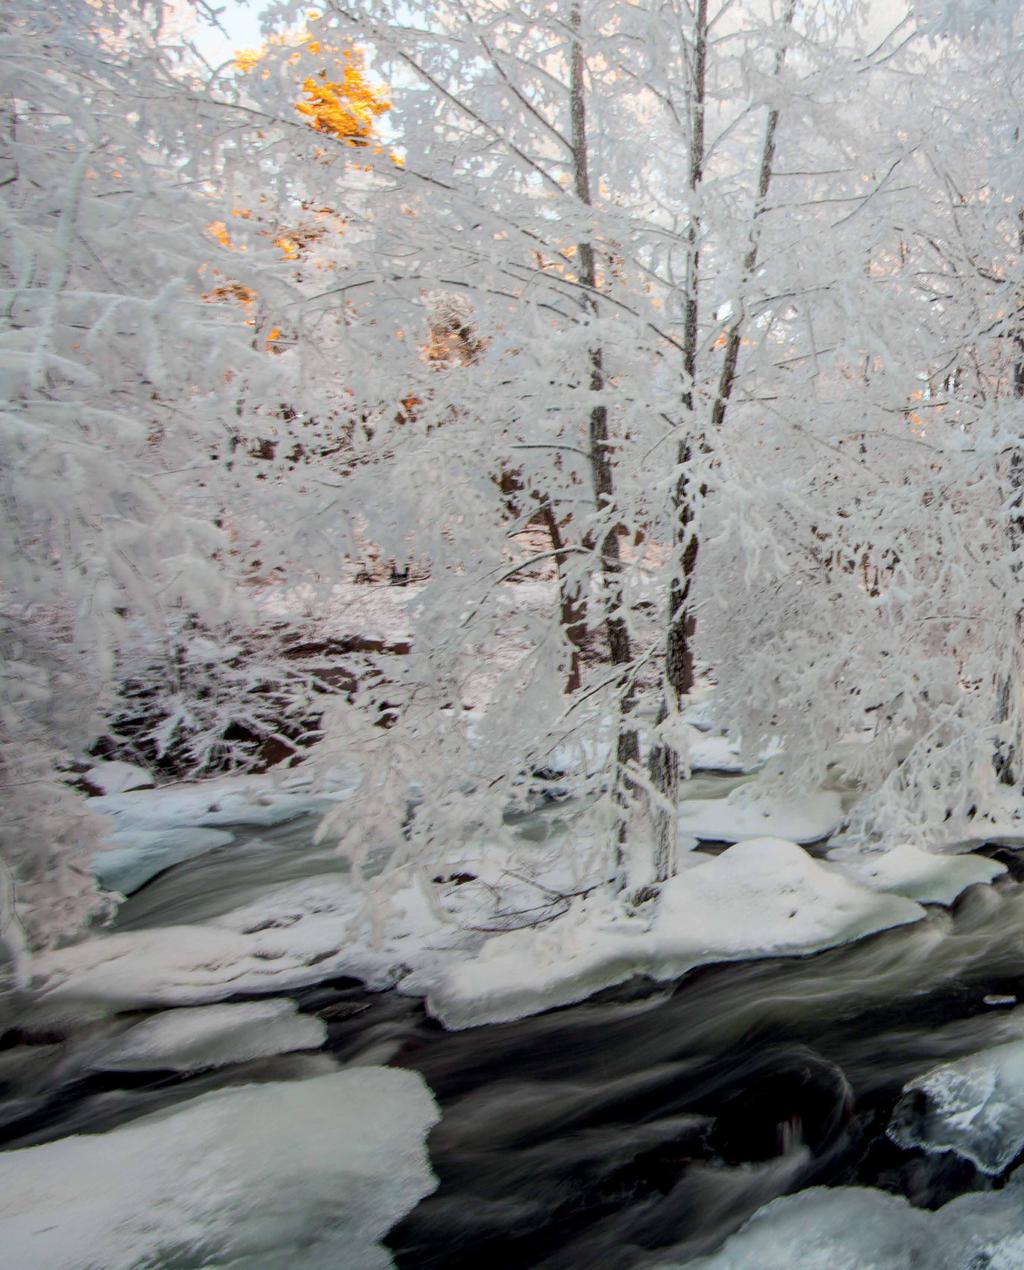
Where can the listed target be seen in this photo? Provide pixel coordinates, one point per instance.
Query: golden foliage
(339, 99)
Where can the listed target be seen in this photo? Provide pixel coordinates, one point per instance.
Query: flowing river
(638, 1129)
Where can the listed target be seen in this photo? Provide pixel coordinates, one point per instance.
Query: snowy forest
(512, 607)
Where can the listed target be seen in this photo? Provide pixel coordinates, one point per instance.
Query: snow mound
(743, 815)
(708, 752)
(213, 1036)
(766, 897)
(139, 855)
(294, 937)
(921, 875)
(298, 934)
(854, 1228)
(306, 1174)
(260, 800)
(114, 777)
(973, 1106)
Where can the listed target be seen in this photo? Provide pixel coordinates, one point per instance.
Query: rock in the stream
(305, 1174)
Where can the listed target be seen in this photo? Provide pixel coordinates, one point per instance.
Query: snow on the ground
(115, 777)
(973, 1106)
(368, 610)
(855, 1228)
(750, 813)
(709, 751)
(996, 814)
(137, 855)
(704, 751)
(764, 897)
(307, 1174)
(920, 875)
(212, 1036)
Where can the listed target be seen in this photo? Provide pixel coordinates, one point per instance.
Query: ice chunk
(759, 898)
(213, 1036)
(854, 1228)
(973, 1106)
(138, 855)
(744, 814)
(304, 1174)
(848, 1228)
(921, 875)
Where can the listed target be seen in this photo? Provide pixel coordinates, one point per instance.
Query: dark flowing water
(637, 1129)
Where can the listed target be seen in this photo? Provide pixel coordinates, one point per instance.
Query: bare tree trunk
(599, 451)
(679, 671)
(732, 347)
(572, 605)
(678, 674)
(1006, 759)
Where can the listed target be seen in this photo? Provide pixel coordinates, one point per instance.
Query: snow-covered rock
(138, 855)
(115, 777)
(759, 898)
(973, 1106)
(709, 752)
(921, 875)
(854, 1228)
(307, 1174)
(212, 1036)
(295, 935)
(746, 814)
(267, 799)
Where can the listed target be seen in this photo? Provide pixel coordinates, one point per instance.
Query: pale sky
(241, 22)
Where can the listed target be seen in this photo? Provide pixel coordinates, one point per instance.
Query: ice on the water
(266, 799)
(213, 1036)
(973, 1106)
(153, 829)
(138, 855)
(306, 1174)
(855, 1228)
(764, 897)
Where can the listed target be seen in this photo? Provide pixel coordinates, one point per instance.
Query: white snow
(295, 937)
(710, 752)
(920, 875)
(973, 1106)
(748, 813)
(156, 828)
(227, 800)
(854, 1228)
(298, 934)
(212, 1036)
(306, 1174)
(759, 898)
(138, 855)
(114, 777)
